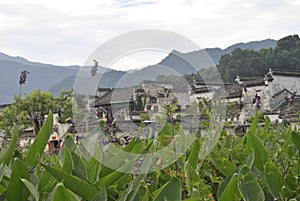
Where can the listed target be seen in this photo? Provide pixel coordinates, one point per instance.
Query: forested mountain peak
(284, 56)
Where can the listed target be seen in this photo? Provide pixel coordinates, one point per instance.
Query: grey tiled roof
(115, 95)
(255, 83)
(294, 73)
(291, 107)
(233, 91)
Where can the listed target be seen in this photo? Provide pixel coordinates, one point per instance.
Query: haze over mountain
(54, 78)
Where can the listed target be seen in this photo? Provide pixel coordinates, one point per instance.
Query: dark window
(153, 99)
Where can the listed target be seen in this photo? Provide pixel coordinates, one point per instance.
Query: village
(150, 100)
(276, 96)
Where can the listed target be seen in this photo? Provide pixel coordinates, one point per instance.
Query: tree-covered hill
(285, 56)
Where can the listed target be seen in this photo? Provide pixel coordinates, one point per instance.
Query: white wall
(281, 82)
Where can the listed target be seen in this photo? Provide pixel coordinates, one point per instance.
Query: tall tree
(285, 56)
(64, 105)
(31, 110)
(287, 53)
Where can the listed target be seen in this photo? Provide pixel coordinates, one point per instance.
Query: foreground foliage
(264, 164)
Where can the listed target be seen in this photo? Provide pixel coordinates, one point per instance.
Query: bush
(261, 165)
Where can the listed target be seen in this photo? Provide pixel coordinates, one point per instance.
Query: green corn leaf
(40, 142)
(145, 196)
(7, 156)
(115, 175)
(94, 167)
(140, 193)
(291, 181)
(166, 131)
(128, 148)
(2, 189)
(250, 159)
(254, 123)
(93, 170)
(33, 190)
(79, 167)
(260, 152)
(164, 134)
(67, 162)
(102, 194)
(273, 178)
(122, 182)
(88, 145)
(75, 184)
(112, 177)
(121, 159)
(70, 144)
(169, 191)
(195, 193)
(194, 183)
(190, 175)
(296, 139)
(222, 164)
(223, 185)
(134, 191)
(45, 183)
(4, 171)
(131, 187)
(203, 190)
(230, 192)
(194, 154)
(61, 193)
(248, 186)
(287, 146)
(287, 193)
(16, 190)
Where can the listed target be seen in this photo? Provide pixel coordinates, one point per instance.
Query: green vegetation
(144, 116)
(264, 164)
(30, 110)
(285, 56)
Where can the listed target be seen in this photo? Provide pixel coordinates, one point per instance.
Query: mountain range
(54, 78)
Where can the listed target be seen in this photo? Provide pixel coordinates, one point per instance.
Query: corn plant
(264, 164)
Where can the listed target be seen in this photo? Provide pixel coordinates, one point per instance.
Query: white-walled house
(268, 94)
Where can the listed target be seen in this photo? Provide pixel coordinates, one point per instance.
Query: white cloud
(66, 32)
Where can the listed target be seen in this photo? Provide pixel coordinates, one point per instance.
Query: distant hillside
(41, 76)
(54, 78)
(254, 45)
(216, 53)
(66, 83)
(285, 56)
(175, 60)
(108, 80)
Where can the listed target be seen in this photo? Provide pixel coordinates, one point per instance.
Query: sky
(66, 32)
